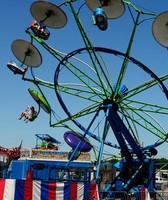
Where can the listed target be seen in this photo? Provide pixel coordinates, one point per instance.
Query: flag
(11, 189)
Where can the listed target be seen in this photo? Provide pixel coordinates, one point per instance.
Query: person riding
(40, 30)
(30, 114)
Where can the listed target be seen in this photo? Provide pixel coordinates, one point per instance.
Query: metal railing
(119, 195)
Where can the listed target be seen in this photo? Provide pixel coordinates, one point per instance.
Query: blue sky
(16, 17)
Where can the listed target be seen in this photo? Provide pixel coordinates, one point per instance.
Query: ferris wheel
(106, 93)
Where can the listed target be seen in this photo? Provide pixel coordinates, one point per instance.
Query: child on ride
(30, 114)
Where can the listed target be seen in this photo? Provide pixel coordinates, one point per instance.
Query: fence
(115, 195)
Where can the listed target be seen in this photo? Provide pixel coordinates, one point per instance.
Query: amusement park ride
(114, 108)
(11, 153)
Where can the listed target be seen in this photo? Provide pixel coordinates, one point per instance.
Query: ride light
(100, 19)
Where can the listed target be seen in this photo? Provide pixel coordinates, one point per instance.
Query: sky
(16, 17)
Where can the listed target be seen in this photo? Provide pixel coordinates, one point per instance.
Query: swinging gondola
(15, 68)
(40, 30)
(40, 101)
